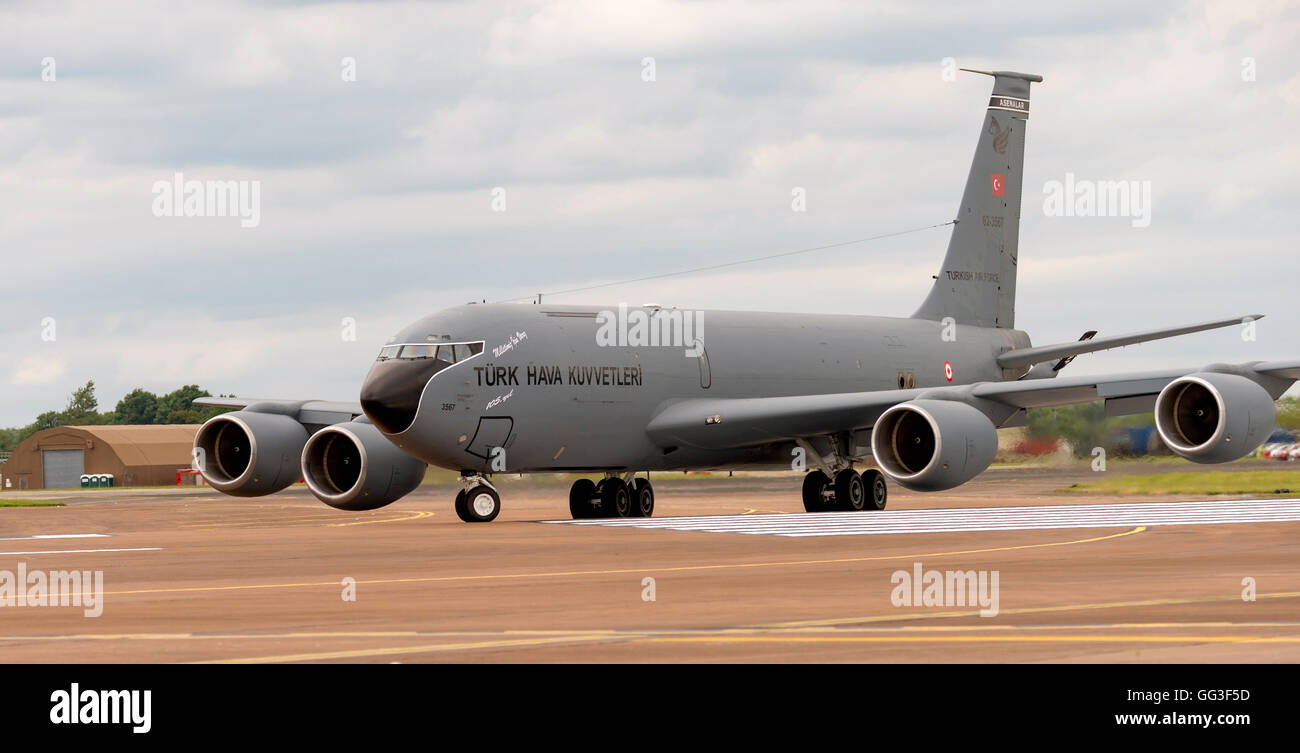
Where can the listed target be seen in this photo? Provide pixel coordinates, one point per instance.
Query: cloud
(37, 370)
(376, 194)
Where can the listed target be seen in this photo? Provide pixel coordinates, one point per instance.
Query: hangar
(135, 456)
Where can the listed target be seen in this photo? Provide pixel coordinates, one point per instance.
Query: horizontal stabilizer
(1014, 359)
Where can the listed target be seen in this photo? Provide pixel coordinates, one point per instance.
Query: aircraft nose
(390, 396)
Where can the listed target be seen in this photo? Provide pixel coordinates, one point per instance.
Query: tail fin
(977, 283)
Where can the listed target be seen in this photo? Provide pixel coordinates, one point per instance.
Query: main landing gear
(612, 497)
(849, 491)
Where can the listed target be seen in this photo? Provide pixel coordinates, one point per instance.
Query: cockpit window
(418, 351)
(446, 355)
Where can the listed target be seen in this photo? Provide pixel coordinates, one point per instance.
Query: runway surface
(978, 519)
(195, 576)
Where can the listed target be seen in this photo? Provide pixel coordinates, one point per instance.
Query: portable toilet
(85, 481)
(107, 480)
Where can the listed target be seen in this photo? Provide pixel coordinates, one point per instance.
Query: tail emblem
(1000, 136)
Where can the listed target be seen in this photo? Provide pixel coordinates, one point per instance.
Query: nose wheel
(479, 503)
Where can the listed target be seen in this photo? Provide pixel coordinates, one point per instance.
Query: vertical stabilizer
(977, 283)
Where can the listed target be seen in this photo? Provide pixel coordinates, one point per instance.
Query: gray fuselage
(553, 388)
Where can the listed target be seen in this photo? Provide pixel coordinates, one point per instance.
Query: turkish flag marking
(947, 371)
(999, 184)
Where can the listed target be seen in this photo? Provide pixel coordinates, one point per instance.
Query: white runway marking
(56, 536)
(84, 551)
(975, 519)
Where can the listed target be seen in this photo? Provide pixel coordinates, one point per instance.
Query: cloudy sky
(377, 193)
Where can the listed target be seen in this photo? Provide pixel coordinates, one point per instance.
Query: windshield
(446, 353)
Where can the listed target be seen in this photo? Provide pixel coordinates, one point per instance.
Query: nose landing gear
(478, 501)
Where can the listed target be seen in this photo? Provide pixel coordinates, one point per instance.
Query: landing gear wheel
(850, 494)
(814, 491)
(643, 498)
(877, 490)
(615, 498)
(478, 504)
(580, 496)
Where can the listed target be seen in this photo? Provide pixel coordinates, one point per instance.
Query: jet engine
(932, 445)
(249, 454)
(1209, 417)
(352, 466)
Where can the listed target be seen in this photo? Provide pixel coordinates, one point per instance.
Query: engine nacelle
(353, 467)
(1209, 417)
(249, 454)
(932, 445)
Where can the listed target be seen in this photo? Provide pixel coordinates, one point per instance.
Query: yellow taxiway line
(396, 651)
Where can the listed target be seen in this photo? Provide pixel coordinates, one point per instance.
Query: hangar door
(63, 468)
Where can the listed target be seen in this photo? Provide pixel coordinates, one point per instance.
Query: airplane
(621, 391)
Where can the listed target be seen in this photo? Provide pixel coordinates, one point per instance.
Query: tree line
(139, 406)
(1086, 425)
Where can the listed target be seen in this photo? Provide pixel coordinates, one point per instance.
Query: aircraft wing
(228, 402)
(1042, 353)
(313, 412)
(741, 422)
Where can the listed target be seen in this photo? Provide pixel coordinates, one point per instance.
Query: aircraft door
(492, 432)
